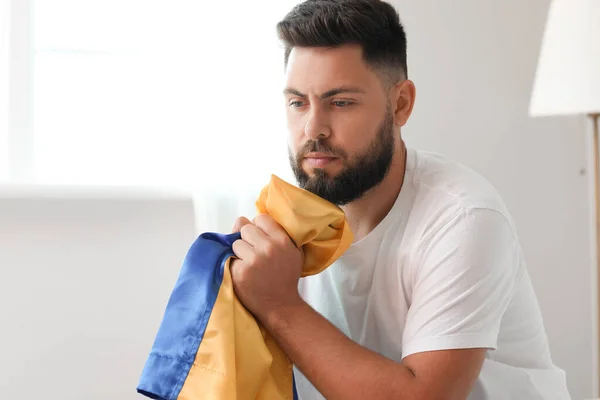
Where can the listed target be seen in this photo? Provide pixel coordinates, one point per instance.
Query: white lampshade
(568, 72)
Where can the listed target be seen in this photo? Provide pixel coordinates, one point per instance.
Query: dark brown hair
(372, 24)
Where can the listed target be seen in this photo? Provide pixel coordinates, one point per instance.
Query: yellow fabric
(237, 358)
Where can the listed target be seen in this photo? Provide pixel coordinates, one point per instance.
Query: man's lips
(319, 159)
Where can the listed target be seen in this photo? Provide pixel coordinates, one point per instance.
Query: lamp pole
(595, 117)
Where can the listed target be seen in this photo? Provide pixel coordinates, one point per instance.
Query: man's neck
(366, 213)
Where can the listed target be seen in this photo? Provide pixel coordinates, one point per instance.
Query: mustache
(319, 146)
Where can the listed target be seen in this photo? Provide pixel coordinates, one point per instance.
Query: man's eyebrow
(340, 90)
(327, 94)
(289, 90)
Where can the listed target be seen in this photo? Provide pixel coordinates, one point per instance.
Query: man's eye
(342, 103)
(296, 104)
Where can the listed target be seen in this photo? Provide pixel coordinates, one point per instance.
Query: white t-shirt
(443, 270)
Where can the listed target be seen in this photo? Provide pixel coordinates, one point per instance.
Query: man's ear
(403, 96)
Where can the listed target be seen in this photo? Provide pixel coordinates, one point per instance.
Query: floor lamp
(567, 80)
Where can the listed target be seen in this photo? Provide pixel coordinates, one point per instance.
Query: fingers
(239, 223)
(260, 231)
(268, 225)
(254, 236)
(251, 236)
(242, 250)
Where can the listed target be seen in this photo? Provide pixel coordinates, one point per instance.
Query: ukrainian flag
(208, 345)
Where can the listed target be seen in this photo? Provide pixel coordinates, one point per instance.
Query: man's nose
(317, 126)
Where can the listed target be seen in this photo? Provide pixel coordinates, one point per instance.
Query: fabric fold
(208, 345)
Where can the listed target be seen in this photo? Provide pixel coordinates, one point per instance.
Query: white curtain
(177, 93)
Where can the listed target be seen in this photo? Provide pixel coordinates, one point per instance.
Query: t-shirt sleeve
(465, 275)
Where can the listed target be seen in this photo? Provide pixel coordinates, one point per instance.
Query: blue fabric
(294, 387)
(183, 327)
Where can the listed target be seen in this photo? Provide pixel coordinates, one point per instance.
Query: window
(4, 49)
(138, 92)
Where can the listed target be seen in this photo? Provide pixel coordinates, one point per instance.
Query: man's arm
(341, 369)
(265, 277)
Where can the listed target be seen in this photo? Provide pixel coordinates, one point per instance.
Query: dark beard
(357, 177)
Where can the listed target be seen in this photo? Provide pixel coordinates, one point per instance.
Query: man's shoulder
(442, 181)
(444, 189)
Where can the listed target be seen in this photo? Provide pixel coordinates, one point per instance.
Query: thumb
(241, 221)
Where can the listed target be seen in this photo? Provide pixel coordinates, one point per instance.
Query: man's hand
(267, 269)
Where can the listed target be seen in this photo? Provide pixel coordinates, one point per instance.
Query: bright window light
(177, 92)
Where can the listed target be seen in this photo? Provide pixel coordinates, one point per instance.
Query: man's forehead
(328, 67)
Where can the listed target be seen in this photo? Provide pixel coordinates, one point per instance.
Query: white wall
(84, 280)
(473, 63)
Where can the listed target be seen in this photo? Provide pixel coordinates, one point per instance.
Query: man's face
(342, 132)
